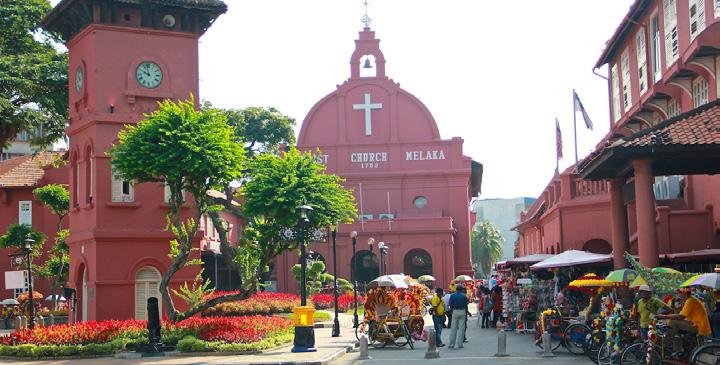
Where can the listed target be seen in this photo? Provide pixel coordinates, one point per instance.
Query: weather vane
(366, 19)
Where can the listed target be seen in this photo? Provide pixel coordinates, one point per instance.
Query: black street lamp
(353, 235)
(383, 252)
(304, 332)
(28, 251)
(336, 322)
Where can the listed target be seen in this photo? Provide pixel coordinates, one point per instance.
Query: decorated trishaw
(393, 311)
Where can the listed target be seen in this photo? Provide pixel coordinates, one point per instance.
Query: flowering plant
(257, 304)
(323, 301)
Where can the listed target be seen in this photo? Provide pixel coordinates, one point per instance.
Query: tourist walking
(497, 305)
(485, 306)
(448, 310)
(437, 310)
(459, 306)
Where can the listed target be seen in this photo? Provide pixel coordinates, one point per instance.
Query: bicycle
(706, 354)
(564, 331)
(654, 351)
(387, 329)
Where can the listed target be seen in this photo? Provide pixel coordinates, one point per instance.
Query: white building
(503, 214)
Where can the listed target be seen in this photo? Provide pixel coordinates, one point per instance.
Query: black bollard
(153, 323)
(155, 347)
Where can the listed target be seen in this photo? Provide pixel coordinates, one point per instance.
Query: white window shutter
(626, 90)
(717, 8)
(25, 213)
(641, 47)
(128, 191)
(615, 85)
(696, 11)
(671, 33)
(141, 300)
(117, 186)
(167, 193)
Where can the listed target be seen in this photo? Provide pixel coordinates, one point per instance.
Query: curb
(333, 356)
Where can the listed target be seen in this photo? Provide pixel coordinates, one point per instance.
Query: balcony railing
(584, 188)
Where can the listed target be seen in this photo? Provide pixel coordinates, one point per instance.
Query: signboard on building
(14, 279)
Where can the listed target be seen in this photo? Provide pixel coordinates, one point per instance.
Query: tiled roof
(700, 126)
(25, 170)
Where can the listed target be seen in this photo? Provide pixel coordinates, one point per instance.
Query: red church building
(650, 187)
(411, 187)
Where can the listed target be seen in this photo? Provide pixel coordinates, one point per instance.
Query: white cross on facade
(368, 107)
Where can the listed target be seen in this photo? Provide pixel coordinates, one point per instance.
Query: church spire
(365, 18)
(367, 48)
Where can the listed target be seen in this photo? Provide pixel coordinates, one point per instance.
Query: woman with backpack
(437, 310)
(485, 306)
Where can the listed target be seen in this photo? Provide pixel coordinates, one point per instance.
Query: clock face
(79, 78)
(149, 75)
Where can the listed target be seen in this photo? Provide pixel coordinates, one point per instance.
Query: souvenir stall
(522, 289)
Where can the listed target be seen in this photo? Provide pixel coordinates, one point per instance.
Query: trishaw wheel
(416, 325)
(575, 337)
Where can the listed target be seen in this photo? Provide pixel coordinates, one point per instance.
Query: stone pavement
(481, 348)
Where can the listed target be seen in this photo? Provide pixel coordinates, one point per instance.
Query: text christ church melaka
(411, 187)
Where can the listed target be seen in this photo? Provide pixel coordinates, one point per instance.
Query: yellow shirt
(439, 305)
(694, 311)
(647, 307)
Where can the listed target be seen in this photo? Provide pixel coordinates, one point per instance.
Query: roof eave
(611, 45)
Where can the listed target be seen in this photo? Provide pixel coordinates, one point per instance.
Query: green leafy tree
(15, 237)
(33, 75)
(56, 198)
(191, 151)
(486, 245)
(259, 129)
(316, 278)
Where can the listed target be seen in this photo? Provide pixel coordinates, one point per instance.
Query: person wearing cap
(647, 306)
(693, 319)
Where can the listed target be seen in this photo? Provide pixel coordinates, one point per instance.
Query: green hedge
(192, 344)
(35, 351)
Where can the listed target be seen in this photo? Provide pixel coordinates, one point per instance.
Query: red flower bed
(260, 303)
(77, 334)
(347, 302)
(323, 301)
(235, 329)
(229, 330)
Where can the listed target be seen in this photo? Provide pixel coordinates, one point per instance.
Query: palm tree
(485, 243)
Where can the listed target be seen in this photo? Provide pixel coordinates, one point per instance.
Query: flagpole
(557, 153)
(575, 132)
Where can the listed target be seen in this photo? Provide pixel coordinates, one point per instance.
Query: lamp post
(28, 251)
(353, 236)
(336, 322)
(304, 340)
(371, 242)
(383, 252)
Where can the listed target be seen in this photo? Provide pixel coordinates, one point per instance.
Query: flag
(558, 139)
(578, 107)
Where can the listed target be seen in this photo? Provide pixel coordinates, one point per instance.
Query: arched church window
(88, 175)
(368, 68)
(420, 202)
(147, 284)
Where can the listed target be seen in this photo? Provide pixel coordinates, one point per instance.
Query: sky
(496, 73)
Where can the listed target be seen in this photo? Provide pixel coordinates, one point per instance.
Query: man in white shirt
(448, 312)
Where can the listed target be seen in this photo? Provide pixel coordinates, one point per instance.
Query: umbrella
(622, 276)
(389, 281)
(9, 302)
(711, 280)
(61, 298)
(463, 278)
(426, 278)
(638, 281)
(590, 280)
(665, 270)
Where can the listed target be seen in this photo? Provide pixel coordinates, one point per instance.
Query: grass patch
(319, 316)
(361, 311)
(192, 344)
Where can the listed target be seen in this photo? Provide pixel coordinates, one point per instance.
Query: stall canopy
(707, 254)
(571, 258)
(530, 259)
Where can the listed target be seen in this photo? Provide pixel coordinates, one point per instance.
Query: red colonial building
(124, 57)
(411, 187)
(650, 186)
